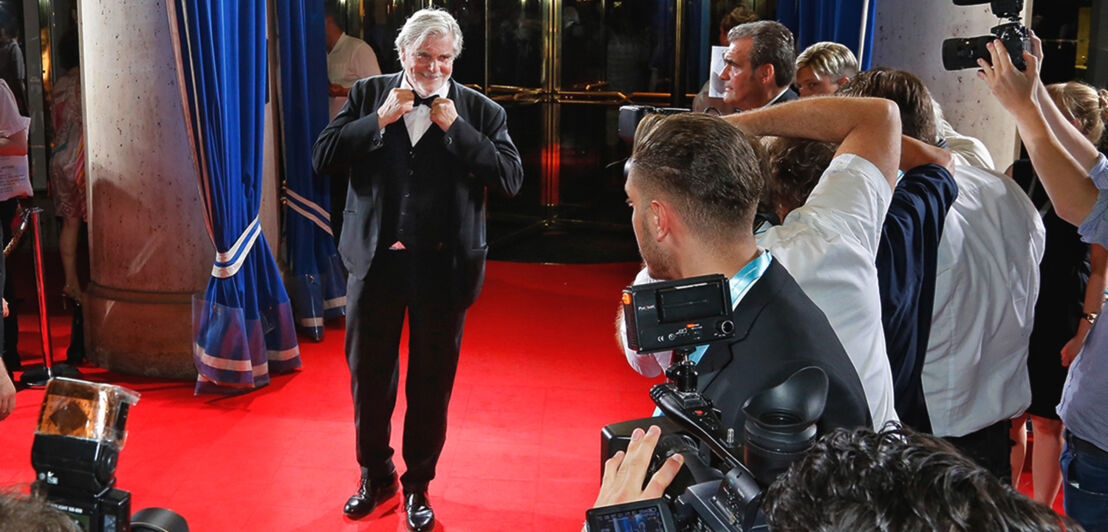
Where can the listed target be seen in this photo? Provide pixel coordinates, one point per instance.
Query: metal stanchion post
(39, 376)
(40, 285)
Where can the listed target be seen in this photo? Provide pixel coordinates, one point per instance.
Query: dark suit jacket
(474, 153)
(788, 96)
(778, 330)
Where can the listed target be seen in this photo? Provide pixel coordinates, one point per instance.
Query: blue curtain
(316, 279)
(839, 21)
(242, 324)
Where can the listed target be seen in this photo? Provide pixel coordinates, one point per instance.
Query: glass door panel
(561, 69)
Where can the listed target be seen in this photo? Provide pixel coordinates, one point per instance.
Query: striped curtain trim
(283, 354)
(311, 216)
(334, 303)
(229, 262)
(311, 322)
(309, 204)
(223, 364)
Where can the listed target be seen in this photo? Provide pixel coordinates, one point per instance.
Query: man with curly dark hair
(898, 480)
(18, 512)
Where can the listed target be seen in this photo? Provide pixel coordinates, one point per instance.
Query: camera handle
(695, 413)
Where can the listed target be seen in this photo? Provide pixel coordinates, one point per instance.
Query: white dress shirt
(986, 285)
(829, 246)
(973, 151)
(418, 121)
(348, 61)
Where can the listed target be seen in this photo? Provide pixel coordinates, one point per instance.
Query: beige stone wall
(908, 35)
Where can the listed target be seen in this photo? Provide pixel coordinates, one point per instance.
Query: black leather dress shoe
(370, 493)
(420, 516)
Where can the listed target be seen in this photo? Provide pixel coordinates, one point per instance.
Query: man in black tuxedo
(420, 150)
(759, 65)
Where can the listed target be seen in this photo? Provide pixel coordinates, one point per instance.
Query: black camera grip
(673, 406)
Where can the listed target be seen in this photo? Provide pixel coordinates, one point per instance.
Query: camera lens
(781, 423)
(961, 53)
(779, 418)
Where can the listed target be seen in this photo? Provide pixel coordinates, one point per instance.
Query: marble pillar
(148, 246)
(908, 35)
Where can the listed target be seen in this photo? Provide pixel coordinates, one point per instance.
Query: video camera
(631, 115)
(959, 53)
(716, 489)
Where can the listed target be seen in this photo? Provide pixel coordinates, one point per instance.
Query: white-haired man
(420, 151)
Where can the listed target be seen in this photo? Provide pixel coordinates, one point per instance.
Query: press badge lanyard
(740, 284)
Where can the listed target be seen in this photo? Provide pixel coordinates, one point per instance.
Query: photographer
(822, 67)
(693, 186)
(897, 479)
(624, 473)
(1075, 176)
(829, 244)
(892, 479)
(18, 512)
(966, 375)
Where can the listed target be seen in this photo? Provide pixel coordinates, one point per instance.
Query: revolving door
(562, 69)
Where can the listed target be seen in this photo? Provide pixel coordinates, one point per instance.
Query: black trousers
(990, 448)
(11, 323)
(374, 319)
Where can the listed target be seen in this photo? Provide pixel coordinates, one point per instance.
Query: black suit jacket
(474, 153)
(788, 96)
(778, 330)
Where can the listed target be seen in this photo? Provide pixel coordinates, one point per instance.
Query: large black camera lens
(1000, 8)
(963, 53)
(959, 53)
(781, 423)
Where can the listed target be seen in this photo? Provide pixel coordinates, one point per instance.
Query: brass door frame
(552, 95)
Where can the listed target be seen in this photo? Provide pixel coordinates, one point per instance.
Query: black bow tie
(417, 101)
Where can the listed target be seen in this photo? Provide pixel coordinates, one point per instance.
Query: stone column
(149, 249)
(908, 35)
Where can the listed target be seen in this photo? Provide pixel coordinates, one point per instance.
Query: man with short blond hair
(822, 67)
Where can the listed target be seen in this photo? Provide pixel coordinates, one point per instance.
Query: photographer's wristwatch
(1090, 317)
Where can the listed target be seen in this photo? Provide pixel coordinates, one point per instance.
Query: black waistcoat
(417, 195)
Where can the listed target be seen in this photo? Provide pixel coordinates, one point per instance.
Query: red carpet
(539, 375)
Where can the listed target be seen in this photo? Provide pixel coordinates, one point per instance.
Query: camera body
(721, 483)
(963, 52)
(631, 115)
(108, 510)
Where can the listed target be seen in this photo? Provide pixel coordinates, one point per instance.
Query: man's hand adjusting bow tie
(403, 101)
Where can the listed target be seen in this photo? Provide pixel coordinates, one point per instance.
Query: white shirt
(418, 120)
(348, 61)
(986, 285)
(973, 151)
(829, 245)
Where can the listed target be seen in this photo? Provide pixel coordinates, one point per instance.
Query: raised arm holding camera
(829, 244)
(1075, 177)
